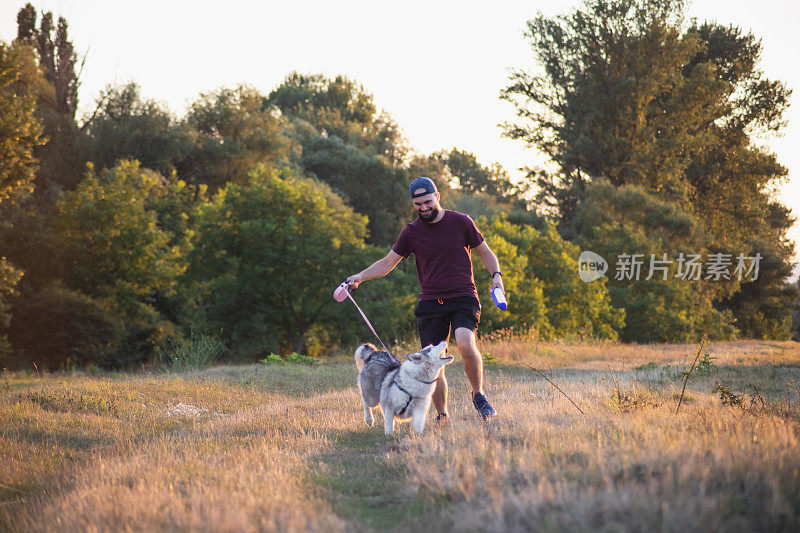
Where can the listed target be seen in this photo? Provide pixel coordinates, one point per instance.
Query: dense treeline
(134, 229)
(650, 125)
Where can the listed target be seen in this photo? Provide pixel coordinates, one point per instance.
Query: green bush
(293, 358)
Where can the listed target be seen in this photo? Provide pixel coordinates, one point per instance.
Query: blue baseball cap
(421, 183)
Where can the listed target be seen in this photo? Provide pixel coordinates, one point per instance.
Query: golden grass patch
(284, 447)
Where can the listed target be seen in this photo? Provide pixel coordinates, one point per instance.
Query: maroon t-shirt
(441, 251)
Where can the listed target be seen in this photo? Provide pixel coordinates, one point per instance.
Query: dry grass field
(284, 447)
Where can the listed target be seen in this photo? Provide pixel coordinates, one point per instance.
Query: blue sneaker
(482, 405)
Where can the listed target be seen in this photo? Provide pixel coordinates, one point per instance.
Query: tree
(348, 145)
(763, 306)
(175, 204)
(19, 130)
(342, 108)
(9, 277)
(115, 241)
(627, 94)
(118, 254)
(235, 132)
(31, 241)
(619, 223)
(127, 127)
(57, 58)
(314, 96)
(267, 256)
(62, 156)
(19, 136)
(473, 177)
(368, 184)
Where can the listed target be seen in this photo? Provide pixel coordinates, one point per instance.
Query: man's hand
(354, 281)
(497, 281)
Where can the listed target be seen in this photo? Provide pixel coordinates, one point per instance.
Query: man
(441, 241)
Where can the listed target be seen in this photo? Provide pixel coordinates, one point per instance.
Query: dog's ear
(414, 357)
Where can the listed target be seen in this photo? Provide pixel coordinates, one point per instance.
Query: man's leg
(473, 362)
(440, 395)
(434, 327)
(473, 368)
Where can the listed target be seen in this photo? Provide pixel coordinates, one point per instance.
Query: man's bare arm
(378, 269)
(491, 263)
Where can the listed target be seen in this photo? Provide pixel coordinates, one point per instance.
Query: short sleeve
(403, 244)
(474, 237)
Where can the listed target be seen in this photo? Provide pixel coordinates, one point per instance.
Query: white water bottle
(499, 298)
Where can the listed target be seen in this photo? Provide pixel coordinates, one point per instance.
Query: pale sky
(436, 66)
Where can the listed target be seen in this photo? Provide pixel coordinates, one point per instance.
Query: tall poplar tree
(62, 156)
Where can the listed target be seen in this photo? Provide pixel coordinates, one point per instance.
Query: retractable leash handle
(343, 292)
(340, 293)
(499, 298)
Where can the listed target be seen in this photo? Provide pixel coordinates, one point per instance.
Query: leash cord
(367, 321)
(554, 385)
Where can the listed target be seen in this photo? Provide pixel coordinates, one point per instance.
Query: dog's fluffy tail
(363, 352)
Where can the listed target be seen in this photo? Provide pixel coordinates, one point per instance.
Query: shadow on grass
(65, 438)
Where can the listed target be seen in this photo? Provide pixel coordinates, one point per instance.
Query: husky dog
(403, 390)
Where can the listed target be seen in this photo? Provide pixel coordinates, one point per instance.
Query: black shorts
(435, 319)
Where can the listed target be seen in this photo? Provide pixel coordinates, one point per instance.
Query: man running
(441, 241)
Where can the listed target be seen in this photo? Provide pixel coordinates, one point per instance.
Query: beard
(428, 217)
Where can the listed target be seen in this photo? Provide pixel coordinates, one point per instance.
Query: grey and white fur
(402, 389)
